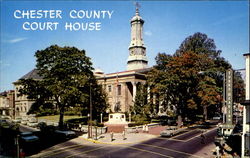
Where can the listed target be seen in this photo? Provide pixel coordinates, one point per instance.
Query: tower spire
(137, 51)
(137, 8)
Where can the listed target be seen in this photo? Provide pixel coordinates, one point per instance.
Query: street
(187, 144)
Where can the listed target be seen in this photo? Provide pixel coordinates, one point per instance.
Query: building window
(119, 89)
(109, 88)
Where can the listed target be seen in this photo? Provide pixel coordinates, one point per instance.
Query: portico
(121, 87)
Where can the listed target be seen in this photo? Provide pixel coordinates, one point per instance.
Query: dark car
(65, 134)
(27, 137)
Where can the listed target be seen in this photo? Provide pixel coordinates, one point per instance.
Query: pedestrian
(111, 136)
(143, 128)
(146, 128)
(123, 135)
(202, 138)
(217, 151)
(136, 130)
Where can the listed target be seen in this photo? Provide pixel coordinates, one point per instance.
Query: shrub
(83, 120)
(139, 120)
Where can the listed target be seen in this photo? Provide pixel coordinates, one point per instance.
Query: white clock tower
(137, 51)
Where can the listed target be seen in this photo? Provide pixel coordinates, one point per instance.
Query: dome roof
(137, 17)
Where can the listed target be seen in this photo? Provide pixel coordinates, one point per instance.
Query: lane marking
(59, 152)
(183, 133)
(170, 139)
(171, 150)
(198, 135)
(147, 151)
(86, 151)
(71, 146)
(189, 136)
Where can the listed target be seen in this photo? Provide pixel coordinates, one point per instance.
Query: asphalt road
(184, 145)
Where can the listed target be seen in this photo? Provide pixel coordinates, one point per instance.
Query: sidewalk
(130, 138)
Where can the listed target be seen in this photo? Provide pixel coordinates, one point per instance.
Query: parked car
(171, 131)
(32, 122)
(24, 120)
(28, 137)
(17, 120)
(217, 117)
(5, 117)
(172, 122)
(4, 123)
(65, 134)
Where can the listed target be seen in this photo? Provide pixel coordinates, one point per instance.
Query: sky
(167, 24)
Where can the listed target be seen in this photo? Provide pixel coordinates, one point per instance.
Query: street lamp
(101, 117)
(88, 127)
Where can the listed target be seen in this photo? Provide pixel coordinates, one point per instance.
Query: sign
(229, 96)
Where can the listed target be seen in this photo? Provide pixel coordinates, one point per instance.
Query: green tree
(140, 100)
(180, 79)
(67, 77)
(238, 88)
(198, 43)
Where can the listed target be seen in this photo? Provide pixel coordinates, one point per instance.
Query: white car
(171, 131)
(32, 124)
(17, 120)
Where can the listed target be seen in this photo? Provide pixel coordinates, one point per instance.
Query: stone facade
(121, 87)
(22, 103)
(7, 103)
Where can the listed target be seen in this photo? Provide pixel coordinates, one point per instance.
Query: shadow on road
(46, 140)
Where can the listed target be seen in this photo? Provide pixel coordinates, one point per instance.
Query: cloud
(15, 40)
(148, 33)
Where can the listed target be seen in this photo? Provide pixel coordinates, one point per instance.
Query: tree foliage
(191, 78)
(67, 77)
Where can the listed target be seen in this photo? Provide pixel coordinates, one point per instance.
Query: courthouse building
(121, 86)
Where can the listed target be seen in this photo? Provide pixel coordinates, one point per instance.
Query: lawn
(55, 118)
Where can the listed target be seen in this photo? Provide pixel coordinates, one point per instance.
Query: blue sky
(167, 24)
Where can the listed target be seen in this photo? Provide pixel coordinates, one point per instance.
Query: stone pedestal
(116, 123)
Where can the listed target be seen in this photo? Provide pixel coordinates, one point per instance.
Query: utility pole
(90, 104)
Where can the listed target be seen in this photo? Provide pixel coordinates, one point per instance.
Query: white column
(134, 90)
